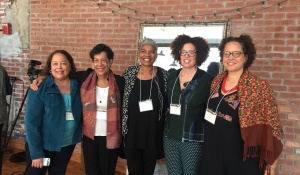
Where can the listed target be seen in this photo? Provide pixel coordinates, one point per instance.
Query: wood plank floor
(74, 168)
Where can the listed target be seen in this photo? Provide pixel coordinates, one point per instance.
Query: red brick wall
(77, 25)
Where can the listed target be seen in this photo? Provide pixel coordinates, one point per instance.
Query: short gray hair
(148, 41)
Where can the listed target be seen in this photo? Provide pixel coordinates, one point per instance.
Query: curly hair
(102, 48)
(247, 45)
(201, 45)
(46, 70)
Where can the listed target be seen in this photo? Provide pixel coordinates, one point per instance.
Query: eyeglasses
(187, 52)
(235, 54)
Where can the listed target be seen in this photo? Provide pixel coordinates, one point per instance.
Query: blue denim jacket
(45, 117)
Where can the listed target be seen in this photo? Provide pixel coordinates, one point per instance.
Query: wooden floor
(74, 168)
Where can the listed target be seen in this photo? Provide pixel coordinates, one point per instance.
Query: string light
(279, 5)
(98, 4)
(193, 18)
(238, 10)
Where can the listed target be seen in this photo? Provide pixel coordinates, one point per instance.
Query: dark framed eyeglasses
(187, 52)
(235, 54)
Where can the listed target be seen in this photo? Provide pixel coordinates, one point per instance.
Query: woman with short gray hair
(144, 110)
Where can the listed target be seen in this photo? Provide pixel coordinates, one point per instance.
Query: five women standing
(242, 129)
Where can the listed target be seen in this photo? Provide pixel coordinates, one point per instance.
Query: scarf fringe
(265, 156)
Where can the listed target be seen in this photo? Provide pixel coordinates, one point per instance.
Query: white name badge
(146, 105)
(210, 116)
(101, 114)
(175, 109)
(69, 115)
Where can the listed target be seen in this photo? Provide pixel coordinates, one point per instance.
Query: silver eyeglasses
(187, 52)
(235, 54)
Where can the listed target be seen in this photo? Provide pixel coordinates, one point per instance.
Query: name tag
(210, 116)
(175, 109)
(101, 114)
(69, 115)
(146, 105)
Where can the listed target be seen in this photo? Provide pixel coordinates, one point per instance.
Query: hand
(272, 171)
(272, 168)
(37, 82)
(37, 163)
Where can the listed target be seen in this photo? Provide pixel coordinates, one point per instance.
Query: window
(164, 33)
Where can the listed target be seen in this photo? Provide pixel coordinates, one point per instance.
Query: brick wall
(77, 25)
(3, 5)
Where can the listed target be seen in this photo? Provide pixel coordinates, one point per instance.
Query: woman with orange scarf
(101, 95)
(242, 131)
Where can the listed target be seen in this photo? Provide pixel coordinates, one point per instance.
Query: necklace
(101, 96)
(150, 87)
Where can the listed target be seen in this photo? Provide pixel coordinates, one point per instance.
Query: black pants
(99, 160)
(140, 162)
(58, 162)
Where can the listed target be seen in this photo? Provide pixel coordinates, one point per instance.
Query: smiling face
(188, 56)
(234, 62)
(101, 64)
(60, 66)
(147, 55)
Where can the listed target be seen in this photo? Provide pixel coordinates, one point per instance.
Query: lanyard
(150, 86)
(185, 86)
(221, 98)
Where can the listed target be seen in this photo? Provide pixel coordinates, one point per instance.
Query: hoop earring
(50, 71)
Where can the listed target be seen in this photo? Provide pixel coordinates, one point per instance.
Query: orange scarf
(260, 126)
(89, 107)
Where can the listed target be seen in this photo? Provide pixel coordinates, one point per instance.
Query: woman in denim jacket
(53, 117)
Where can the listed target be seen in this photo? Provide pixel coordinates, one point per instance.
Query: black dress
(223, 144)
(144, 127)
